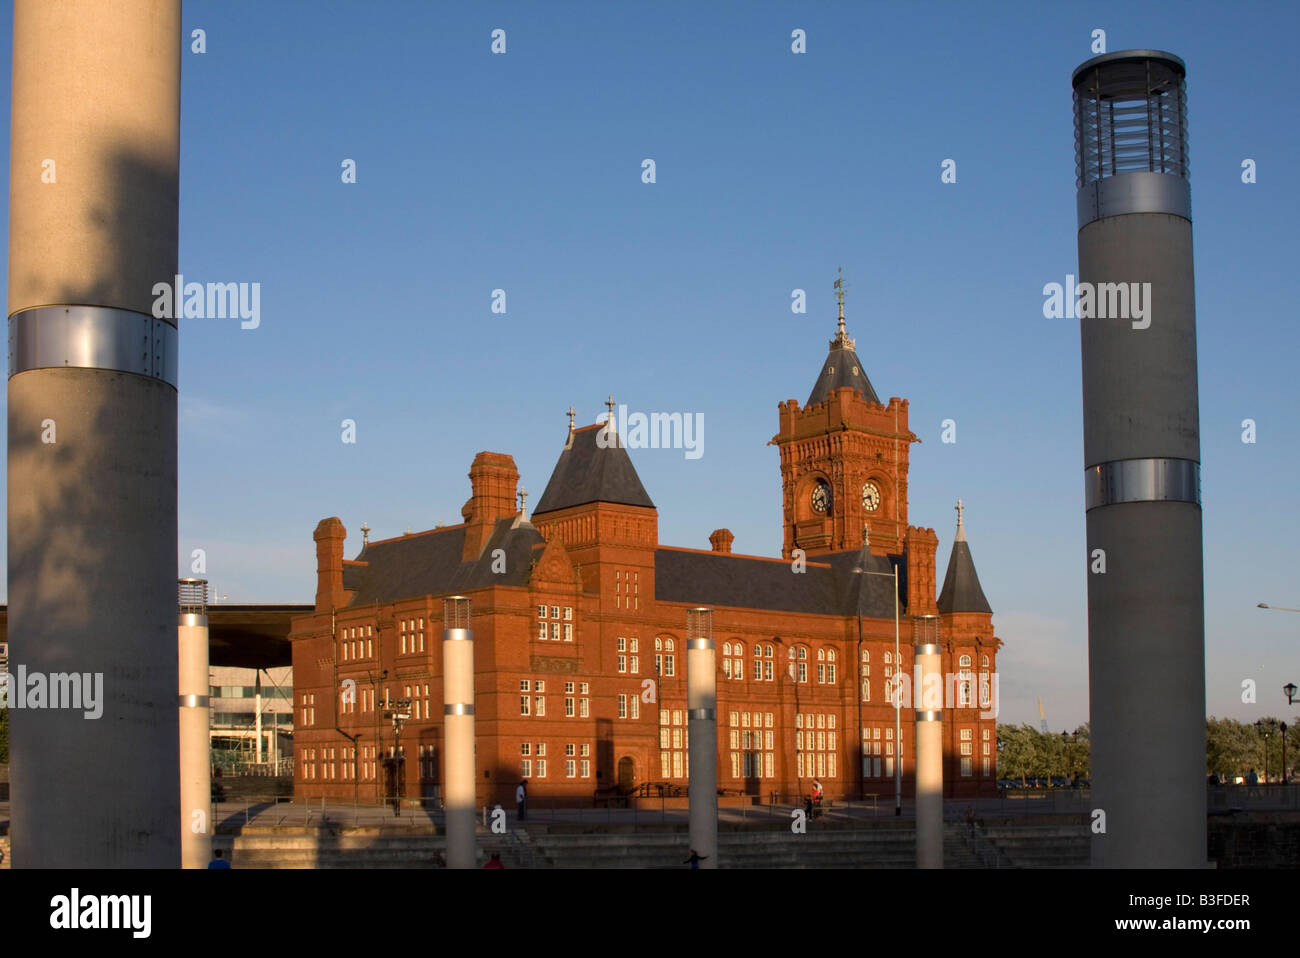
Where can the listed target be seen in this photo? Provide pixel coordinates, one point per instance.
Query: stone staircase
(539, 846)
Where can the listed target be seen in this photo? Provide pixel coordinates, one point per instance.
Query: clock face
(821, 497)
(870, 496)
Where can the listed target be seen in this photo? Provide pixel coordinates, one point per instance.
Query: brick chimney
(722, 540)
(493, 480)
(329, 536)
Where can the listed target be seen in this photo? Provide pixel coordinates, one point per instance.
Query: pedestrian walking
(521, 800)
(695, 859)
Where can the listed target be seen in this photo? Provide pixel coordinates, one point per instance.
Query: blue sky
(523, 172)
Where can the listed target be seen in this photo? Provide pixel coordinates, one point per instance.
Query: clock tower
(844, 459)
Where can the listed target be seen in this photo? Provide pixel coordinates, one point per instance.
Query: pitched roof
(828, 586)
(842, 368)
(429, 563)
(586, 472)
(961, 590)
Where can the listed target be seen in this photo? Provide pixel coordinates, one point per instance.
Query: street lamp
(1267, 730)
(1290, 691)
(861, 568)
(399, 711)
(1282, 726)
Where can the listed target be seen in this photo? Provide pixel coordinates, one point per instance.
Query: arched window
(830, 655)
(665, 661)
(888, 658)
(866, 655)
(821, 655)
(984, 661)
(801, 673)
(726, 647)
(768, 651)
(965, 662)
(659, 644)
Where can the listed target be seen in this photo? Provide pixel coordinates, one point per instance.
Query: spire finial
(841, 340)
(571, 415)
(523, 500)
(609, 404)
(866, 534)
(839, 294)
(365, 533)
(961, 530)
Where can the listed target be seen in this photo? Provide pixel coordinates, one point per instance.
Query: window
(570, 749)
(525, 685)
(525, 768)
(622, 705)
(967, 766)
(816, 745)
(525, 705)
(622, 663)
(568, 613)
(584, 707)
(633, 646)
(568, 706)
(767, 671)
(541, 768)
(541, 631)
(539, 685)
(821, 673)
(636, 706)
(586, 768)
(570, 768)
(541, 611)
(673, 739)
(568, 632)
(758, 670)
(964, 662)
(622, 644)
(555, 612)
(752, 754)
(541, 705)
(636, 663)
(984, 661)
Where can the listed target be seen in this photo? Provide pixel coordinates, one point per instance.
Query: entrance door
(626, 774)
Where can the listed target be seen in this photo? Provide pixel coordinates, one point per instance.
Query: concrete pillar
(702, 728)
(257, 716)
(927, 694)
(458, 719)
(92, 428)
(1141, 438)
(196, 743)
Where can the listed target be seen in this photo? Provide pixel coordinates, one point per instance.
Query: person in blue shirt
(218, 861)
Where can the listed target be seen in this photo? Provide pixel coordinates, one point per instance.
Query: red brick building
(579, 619)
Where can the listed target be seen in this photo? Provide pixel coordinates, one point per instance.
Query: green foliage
(1028, 752)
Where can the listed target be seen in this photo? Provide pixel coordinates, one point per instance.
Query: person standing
(521, 800)
(218, 861)
(695, 859)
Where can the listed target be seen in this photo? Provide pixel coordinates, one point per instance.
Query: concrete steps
(541, 847)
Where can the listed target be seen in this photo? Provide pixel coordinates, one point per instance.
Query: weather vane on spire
(841, 340)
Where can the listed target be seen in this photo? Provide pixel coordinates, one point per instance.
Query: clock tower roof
(842, 368)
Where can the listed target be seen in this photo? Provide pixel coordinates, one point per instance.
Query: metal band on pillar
(93, 337)
(458, 710)
(1142, 480)
(931, 715)
(193, 701)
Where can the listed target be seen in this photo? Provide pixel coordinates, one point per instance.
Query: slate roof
(587, 473)
(842, 368)
(961, 590)
(724, 579)
(429, 563)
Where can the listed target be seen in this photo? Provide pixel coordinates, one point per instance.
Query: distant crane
(1042, 716)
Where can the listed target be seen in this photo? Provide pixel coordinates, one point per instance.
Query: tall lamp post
(895, 694)
(1267, 730)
